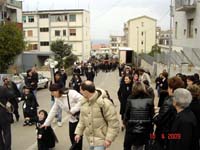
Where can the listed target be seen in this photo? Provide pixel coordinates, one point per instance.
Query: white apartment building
(11, 10)
(42, 27)
(186, 24)
(141, 34)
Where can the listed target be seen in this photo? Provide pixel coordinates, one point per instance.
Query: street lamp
(51, 63)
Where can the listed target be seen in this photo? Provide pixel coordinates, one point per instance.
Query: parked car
(42, 81)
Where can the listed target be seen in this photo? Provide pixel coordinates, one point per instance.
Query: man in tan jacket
(98, 118)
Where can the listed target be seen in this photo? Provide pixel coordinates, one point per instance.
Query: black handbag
(74, 146)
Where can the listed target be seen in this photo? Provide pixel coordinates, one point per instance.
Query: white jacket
(62, 102)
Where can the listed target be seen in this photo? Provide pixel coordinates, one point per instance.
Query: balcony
(14, 3)
(185, 5)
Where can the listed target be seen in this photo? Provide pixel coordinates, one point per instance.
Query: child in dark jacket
(46, 137)
(29, 106)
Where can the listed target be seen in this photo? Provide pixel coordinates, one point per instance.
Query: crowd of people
(175, 125)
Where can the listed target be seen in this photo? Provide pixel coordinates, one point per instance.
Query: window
(57, 32)
(176, 28)
(24, 33)
(190, 28)
(30, 33)
(64, 32)
(44, 29)
(72, 32)
(35, 46)
(184, 31)
(72, 18)
(44, 16)
(24, 19)
(142, 24)
(44, 43)
(114, 39)
(65, 17)
(195, 30)
(30, 18)
(142, 33)
(142, 42)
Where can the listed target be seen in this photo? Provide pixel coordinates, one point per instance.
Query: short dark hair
(88, 86)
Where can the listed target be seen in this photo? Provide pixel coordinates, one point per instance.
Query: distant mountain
(100, 41)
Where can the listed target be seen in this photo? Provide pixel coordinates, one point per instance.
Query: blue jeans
(97, 147)
(59, 111)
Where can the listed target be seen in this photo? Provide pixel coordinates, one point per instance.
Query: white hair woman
(183, 133)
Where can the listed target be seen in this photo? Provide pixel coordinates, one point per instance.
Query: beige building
(141, 34)
(116, 42)
(43, 27)
(186, 24)
(11, 10)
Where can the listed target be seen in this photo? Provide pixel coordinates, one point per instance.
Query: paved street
(24, 138)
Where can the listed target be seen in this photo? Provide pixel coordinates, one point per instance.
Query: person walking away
(138, 118)
(98, 118)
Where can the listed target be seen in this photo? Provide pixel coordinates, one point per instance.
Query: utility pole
(137, 45)
(170, 38)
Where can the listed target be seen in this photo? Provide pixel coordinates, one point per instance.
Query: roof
(141, 18)
(148, 58)
(54, 11)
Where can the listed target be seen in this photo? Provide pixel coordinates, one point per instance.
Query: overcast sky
(108, 16)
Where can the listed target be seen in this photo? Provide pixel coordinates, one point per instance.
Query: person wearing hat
(5, 119)
(68, 100)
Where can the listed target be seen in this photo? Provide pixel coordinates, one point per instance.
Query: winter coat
(48, 138)
(139, 113)
(163, 121)
(123, 93)
(184, 125)
(195, 107)
(98, 127)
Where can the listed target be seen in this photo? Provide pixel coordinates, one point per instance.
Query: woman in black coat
(123, 93)
(138, 118)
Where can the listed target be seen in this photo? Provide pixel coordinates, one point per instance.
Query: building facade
(41, 28)
(186, 24)
(11, 10)
(116, 42)
(141, 34)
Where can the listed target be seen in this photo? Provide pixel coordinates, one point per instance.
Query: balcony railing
(185, 5)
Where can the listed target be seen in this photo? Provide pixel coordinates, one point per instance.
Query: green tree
(63, 53)
(155, 50)
(11, 44)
